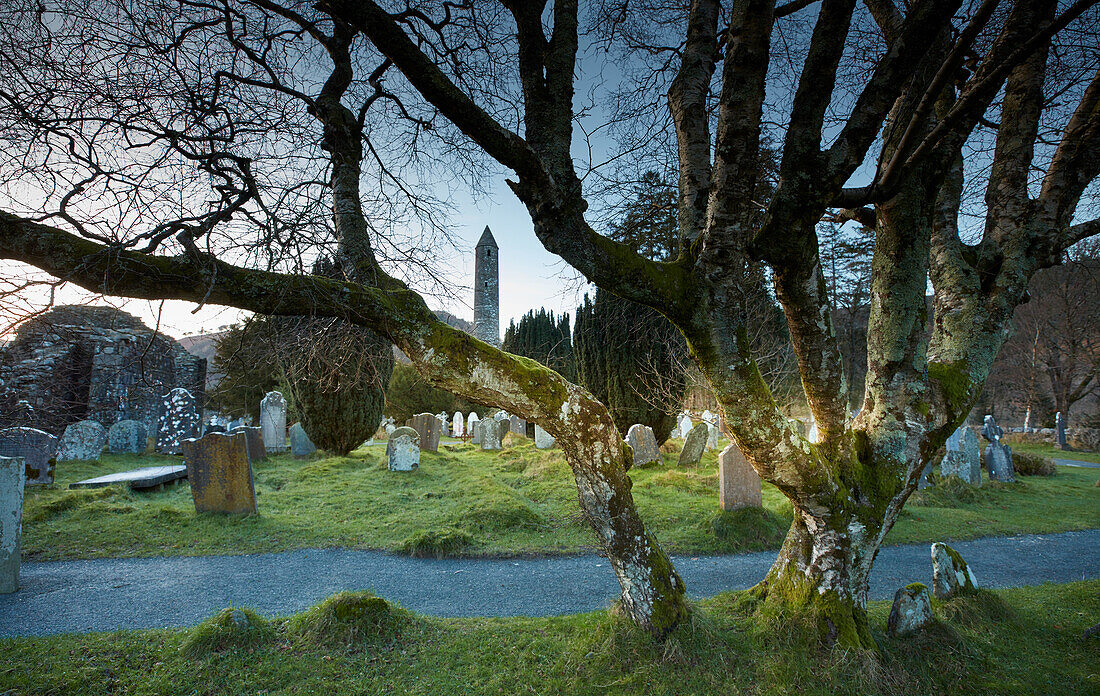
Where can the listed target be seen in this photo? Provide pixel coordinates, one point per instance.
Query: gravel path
(109, 594)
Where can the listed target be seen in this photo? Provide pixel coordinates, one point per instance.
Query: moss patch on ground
(1007, 642)
(463, 501)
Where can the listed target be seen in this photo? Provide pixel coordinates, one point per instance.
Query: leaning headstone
(518, 425)
(127, 437)
(429, 428)
(82, 441)
(694, 444)
(963, 458)
(998, 458)
(457, 425)
(220, 474)
(685, 425)
(490, 430)
(273, 421)
(1060, 431)
(738, 482)
(644, 443)
(950, 573)
(300, 444)
(911, 611)
(180, 420)
(473, 427)
(253, 436)
(37, 448)
(12, 480)
(543, 439)
(403, 450)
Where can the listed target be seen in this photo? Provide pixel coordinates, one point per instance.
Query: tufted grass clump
(70, 500)
(949, 492)
(232, 628)
(1027, 464)
(352, 620)
(437, 543)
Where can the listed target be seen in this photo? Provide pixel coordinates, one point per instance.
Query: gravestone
(403, 450)
(473, 428)
(300, 444)
(139, 479)
(912, 610)
(253, 436)
(963, 458)
(180, 420)
(518, 425)
(738, 482)
(13, 478)
(685, 425)
(444, 425)
(273, 421)
(950, 573)
(82, 441)
(127, 437)
(458, 425)
(543, 439)
(490, 431)
(219, 472)
(215, 428)
(712, 436)
(925, 479)
(428, 426)
(644, 443)
(998, 457)
(37, 448)
(1060, 431)
(501, 416)
(694, 444)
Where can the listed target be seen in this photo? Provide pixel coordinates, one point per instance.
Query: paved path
(108, 594)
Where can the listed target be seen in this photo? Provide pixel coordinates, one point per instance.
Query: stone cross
(738, 482)
(644, 443)
(220, 474)
(273, 421)
(36, 447)
(180, 420)
(429, 428)
(12, 480)
(127, 437)
(694, 444)
(82, 441)
(403, 450)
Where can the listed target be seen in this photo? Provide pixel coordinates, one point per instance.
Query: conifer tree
(543, 337)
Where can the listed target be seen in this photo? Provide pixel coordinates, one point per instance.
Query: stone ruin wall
(98, 363)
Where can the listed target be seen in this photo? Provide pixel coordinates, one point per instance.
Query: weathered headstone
(501, 416)
(738, 482)
(912, 610)
(220, 474)
(950, 573)
(127, 437)
(180, 420)
(644, 443)
(300, 444)
(685, 425)
(712, 436)
(518, 425)
(403, 449)
(473, 427)
(694, 444)
(12, 480)
(428, 426)
(273, 421)
(253, 436)
(83, 440)
(963, 458)
(1060, 431)
(458, 425)
(37, 448)
(998, 458)
(490, 431)
(543, 439)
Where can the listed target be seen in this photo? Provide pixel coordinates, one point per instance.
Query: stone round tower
(487, 289)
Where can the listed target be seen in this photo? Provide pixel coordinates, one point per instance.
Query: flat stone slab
(137, 478)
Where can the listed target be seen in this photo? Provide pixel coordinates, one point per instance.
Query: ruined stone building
(487, 289)
(98, 363)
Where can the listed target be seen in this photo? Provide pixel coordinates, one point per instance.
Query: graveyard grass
(1020, 641)
(462, 501)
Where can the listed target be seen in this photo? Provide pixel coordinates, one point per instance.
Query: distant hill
(204, 346)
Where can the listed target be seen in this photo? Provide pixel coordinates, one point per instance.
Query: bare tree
(917, 94)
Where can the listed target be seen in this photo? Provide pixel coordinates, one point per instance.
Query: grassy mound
(69, 501)
(750, 528)
(1026, 464)
(437, 543)
(231, 628)
(352, 620)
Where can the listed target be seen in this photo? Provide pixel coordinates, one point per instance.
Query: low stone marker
(127, 437)
(37, 448)
(12, 480)
(403, 449)
(180, 420)
(738, 482)
(644, 443)
(473, 428)
(963, 458)
(518, 426)
(490, 431)
(694, 444)
(300, 444)
(428, 426)
(950, 573)
(219, 472)
(82, 441)
(911, 611)
(1060, 431)
(458, 425)
(253, 436)
(273, 421)
(139, 479)
(543, 439)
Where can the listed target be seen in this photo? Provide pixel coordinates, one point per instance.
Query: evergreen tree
(543, 337)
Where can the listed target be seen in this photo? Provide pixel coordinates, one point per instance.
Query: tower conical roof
(487, 239)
